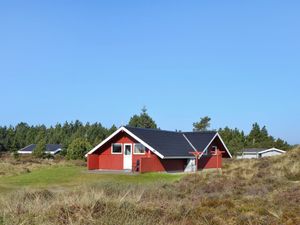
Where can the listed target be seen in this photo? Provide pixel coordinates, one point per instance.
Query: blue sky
(237, 62)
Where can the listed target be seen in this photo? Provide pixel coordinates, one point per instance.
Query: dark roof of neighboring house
(253, 150)
(260, 150)
(171, 143)
(49, 147)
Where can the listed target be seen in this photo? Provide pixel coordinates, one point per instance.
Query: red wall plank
(209, 162)
(155, 164)
(92, 162)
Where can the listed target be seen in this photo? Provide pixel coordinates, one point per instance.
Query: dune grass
(247, 192)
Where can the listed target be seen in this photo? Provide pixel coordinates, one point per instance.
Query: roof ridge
(170, 131)
(153, 129)
(200, 132)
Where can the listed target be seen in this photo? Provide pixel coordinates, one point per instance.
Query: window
(214, 150)
(116, 149)
(139, 149)
(127, 149)
(206, 152)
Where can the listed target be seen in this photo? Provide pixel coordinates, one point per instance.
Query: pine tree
(202, 125)
(234, 139)
(143, 120)
(40, 148)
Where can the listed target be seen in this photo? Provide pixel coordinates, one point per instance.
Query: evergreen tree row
(236, 140)
(13, 138)
(258, 137)
(77, 138)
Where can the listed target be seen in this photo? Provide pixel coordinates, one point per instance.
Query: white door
(127, 156)
(191, 166)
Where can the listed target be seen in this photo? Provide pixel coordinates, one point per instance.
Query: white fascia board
(21, 150)
(179, 157)
(190, 143)
(205, 149)
(217, 135)
(144, 143)
(129, 133)
(272, 149)
(24, 152)
(224, 145)
(53, 152)
(104, 141)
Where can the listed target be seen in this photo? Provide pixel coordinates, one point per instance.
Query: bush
(78, 148)
(15, 154)
(40, 148)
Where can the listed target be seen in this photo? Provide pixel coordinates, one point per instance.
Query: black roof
(200, 139)
(171, 143)
(253, 150)
(49, 147)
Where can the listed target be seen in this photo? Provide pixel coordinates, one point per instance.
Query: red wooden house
(151, 150)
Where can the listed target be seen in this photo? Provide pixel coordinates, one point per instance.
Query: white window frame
(215, 149)
(128, 144)
(135, 144)
(116, 153)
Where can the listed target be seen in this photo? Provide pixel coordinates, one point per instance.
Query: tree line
(236, 139)
(13, 138)
(78, 138)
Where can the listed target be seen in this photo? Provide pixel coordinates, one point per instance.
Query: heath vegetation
(259, 191)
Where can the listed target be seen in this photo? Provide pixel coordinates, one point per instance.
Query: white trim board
(47, 152)
(112, 147)
(21, 150)
(179, 157)
(224, 145)
(271, 149)
(190, 143)
(24, 152)
(104, 141)
(129, 133)
(217, 135)
(144, 143)
(134, 145)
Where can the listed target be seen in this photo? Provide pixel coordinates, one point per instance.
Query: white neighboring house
(259, 153)
(50, 149)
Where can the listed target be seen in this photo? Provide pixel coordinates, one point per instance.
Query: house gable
(169, 144)
(123, 129)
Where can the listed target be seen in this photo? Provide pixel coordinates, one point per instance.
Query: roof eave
(132, 135)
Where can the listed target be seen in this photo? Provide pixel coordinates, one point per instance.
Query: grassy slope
(72, 175)
(265, 191)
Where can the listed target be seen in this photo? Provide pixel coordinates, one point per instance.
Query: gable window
(214, 150)
(206, 152)
(116, 149)
(139, 149)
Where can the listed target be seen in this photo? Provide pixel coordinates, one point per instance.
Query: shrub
(15, 154)
(40, 148)
(78, 148)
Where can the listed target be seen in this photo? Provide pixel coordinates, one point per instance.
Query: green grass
(70, 176)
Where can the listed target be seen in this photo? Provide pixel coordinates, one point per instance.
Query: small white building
(49, 149)
(259, 153)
